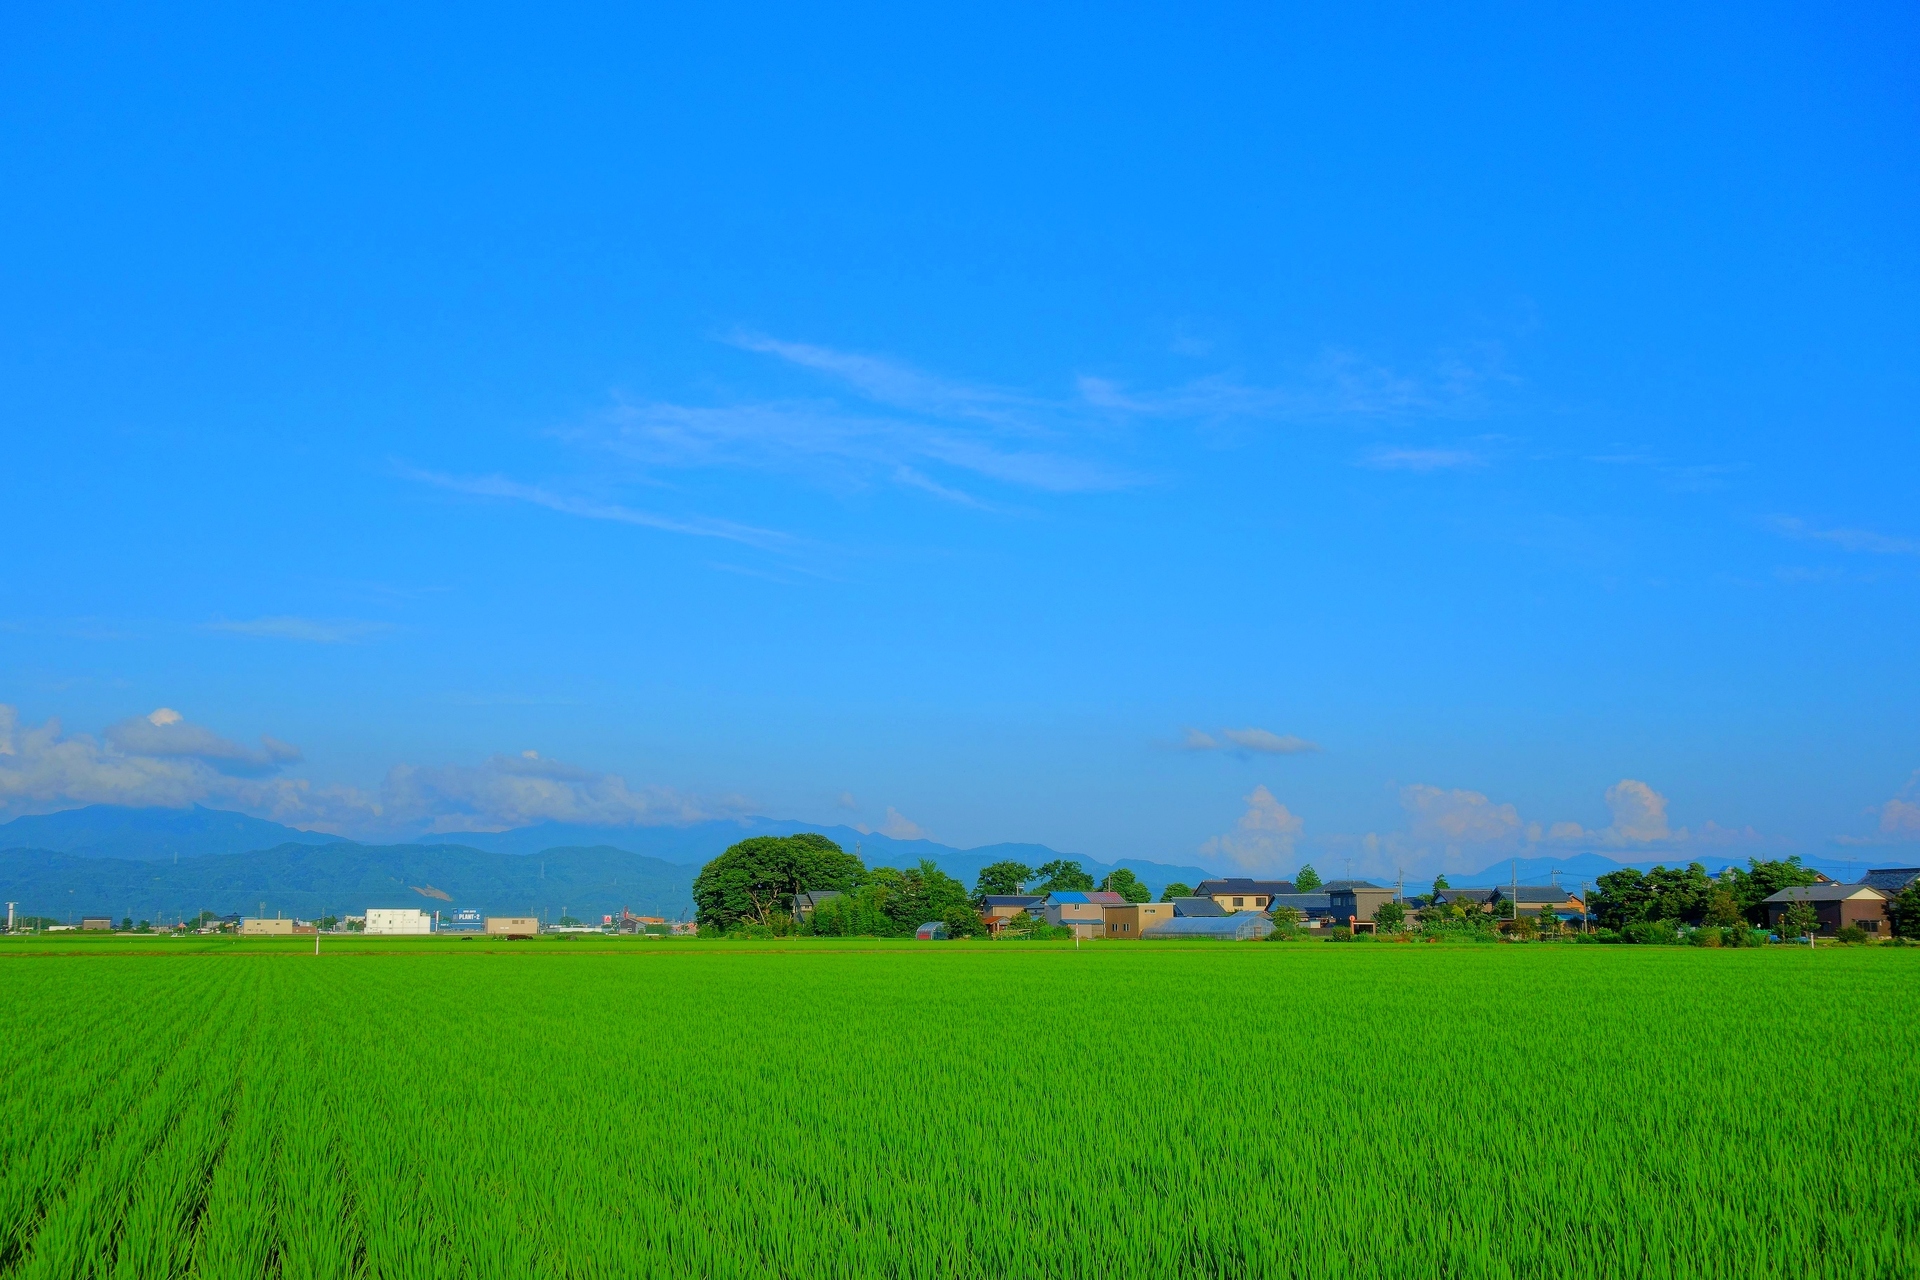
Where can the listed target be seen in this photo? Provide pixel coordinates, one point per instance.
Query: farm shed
(254, 928)
(512, 926)
(1838, 906)
(95, 923)
(932, 931)
(1242, 926)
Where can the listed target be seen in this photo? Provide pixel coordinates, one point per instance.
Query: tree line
(750, 890)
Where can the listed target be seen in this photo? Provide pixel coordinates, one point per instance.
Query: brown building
(95, 922)
(1838, 906)
(1355, 900)
(512, 926)
(252, 928)
(1128, 922)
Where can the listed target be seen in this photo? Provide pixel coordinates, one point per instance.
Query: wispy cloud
(1247, 741)
(593, 509)
(1865, 541)
(1394, 458)
(309, 630)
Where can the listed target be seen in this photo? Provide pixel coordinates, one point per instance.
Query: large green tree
(1176, 890)
(1628, 896)
(1761, 880)
(1002, 878)
(893, 904)
(1063, 875)
(1123, 882)
(755, 880)
(1307, 880)
(1904, 911)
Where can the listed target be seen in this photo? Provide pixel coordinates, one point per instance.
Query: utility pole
(10, 907)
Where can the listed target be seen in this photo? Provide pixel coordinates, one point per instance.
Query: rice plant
(813, 1109)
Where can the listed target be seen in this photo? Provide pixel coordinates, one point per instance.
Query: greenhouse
(1241, 926)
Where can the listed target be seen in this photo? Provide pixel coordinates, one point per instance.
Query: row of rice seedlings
(104, 1094)
(80, 1232)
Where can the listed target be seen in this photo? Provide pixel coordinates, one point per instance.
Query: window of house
(1239, 902)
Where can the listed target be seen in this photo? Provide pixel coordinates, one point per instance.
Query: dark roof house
(804, 903)
(1197, 906)
(1242, 887)
(1891, 880)
(1314, 906)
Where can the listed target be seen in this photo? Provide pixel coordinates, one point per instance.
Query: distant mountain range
(154, 863)
(341, 878)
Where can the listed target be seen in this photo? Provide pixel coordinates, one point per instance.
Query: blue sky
(1254, 434)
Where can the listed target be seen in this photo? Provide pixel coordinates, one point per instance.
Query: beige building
(251, 928)
(512, 926)
(1086, 919)
(1127, 923)
(398, 920)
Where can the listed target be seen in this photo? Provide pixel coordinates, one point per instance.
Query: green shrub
(1651, 932)
(1341, 934)
(1708, 937)
(1852, 935)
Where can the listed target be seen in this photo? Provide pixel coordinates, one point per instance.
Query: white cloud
(310, 630)
(1898, 819)
(1860, 540)
(1263, 839)
(1458, 817)
(515, 791)
(1244, 741)
(592, 509)
(1639, 813)
(164, 760)
(900, 827)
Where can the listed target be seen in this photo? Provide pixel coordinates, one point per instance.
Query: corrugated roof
(1334, 886)
(1013, 899)
(1106, 898)
(1197, 906)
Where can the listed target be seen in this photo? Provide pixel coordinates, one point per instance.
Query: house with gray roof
(1837, 905)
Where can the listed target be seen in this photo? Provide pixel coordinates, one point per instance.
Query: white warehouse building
(398, 920)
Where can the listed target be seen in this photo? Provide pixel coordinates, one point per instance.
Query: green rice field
(436, 1108)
